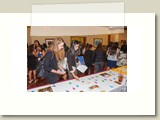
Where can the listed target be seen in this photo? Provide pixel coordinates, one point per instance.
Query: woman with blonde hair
(54, 55)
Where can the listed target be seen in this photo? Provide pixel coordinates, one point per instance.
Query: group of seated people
(60, 61)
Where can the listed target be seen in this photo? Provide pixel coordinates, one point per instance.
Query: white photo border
(139, 99)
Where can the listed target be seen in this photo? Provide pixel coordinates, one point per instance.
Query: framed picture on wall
(97, 41)
(81, 39)
(48, 41)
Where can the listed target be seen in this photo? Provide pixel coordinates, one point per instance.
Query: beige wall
(114, 37)
(89, 38)
(29, 41)
(41, 39)
(119, 37)
(123, 36)
(72, 30)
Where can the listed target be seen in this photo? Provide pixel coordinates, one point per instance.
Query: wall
(41, 39)
(123, 36)
(29, 41)
(114, 37)
(89, 38)
(118, 37)
(72, 30)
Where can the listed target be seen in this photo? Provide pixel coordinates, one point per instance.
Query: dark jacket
(88, 57)
(32, 62)
(49, 64)
(71, 60)
(99, 56)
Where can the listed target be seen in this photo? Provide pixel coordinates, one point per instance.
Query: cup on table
(120, 78)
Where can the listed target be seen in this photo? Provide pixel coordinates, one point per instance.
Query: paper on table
(96, 88)
(82, 68)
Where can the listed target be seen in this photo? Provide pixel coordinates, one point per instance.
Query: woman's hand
(107, 52)
(60, 67)
(76, 77)
(59, 72)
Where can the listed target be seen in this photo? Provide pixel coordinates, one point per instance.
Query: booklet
(82, 68)
(46, 89)
(96, 88)
(81, 59)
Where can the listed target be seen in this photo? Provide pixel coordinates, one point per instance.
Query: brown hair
(90, 46)
(60, 54)
(99, 47)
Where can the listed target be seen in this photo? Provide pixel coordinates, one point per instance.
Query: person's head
(43, 48)
(99, 47)
(58, 47)
(124, 43)
(114, 45)
(36, 43)
(31, 50)
(113, 48)
(124, 48)
(110, 44)
(75, 47)
(38, 48)
(44, 45)
(87, 45)
(90, 46)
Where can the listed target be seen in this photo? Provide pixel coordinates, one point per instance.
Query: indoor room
(101, 55)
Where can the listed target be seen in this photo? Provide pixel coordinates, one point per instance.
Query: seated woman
(54, 54)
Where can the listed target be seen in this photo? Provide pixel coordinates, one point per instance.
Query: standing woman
(34, 46)
(88, 57)
(32, 64)
(54, 54)
(99, 58)
(112, 53)
(72, 59)
(36, 43)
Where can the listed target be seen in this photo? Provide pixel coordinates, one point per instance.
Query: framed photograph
(97, 41)
(48, 41)
(81, 39)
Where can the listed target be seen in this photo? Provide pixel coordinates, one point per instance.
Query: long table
(106, 81)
